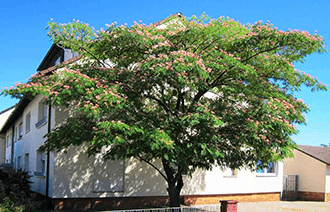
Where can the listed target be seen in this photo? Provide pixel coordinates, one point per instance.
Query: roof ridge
(178, 14)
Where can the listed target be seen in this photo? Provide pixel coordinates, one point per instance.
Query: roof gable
(318, 152)
(5, 114)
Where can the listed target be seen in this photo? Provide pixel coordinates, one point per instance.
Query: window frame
(19, 162)
(8, 143)
(42, 113)
(28, 122)
(41, 165)
(15, 134)
(265, 172)
(27, 162)
(20, 131)
(230, 173)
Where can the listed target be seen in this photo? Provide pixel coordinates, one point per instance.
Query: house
(3, 141)
(72, 180)
(312, 165)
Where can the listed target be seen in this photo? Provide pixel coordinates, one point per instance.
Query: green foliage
(193, 92)
(15, 189)
(8, 205)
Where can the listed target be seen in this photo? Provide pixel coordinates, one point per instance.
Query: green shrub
(15, 192)
(8, 205)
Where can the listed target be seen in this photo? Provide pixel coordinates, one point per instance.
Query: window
(19, 162)
(15, 134)
(20, 130)
(42, 114)
(27, 122)
(270, 170)
(26, 162)
(230, 172)
(8, 141)
(41, 164)
(58, 60)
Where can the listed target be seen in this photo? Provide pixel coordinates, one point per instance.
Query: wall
(29, 143)
(328, 181)
(311, 172)
(74, 176)
(215, 182)
(3, 118)
(2, 149)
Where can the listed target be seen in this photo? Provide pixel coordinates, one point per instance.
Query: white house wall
(3, 118)
(216, 182)
(74, 176)
(29, 143)
(8, 148)
(2, 149)
(328, 179)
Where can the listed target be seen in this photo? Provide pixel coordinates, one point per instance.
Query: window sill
(230, 176)
(39, 174)
(41, 123)
(266, 175)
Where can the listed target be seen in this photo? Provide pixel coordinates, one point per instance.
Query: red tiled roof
(53, 68)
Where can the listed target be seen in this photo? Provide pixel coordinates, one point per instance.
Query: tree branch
(256, 54)
(142, 159)
(159, 102)
(178, 100)
(168, 170)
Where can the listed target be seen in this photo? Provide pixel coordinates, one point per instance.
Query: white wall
(328, 179)
(3, 118)
(216, 182)
(2, 149)
(74, 175)
(29, 144)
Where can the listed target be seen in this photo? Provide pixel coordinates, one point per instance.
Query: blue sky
(24, 42)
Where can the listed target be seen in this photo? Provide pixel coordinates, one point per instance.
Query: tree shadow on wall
(80, 182)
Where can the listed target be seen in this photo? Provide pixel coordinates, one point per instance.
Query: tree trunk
(175, 183)
(174, 195)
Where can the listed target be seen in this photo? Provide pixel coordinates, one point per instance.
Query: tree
(191, 92)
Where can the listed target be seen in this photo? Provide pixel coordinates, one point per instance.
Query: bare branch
(142, 159)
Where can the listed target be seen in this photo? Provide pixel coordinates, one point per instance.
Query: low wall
(83, 204)
(214, 199)
(311, 196)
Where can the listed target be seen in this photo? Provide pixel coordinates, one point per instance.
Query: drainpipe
(48, 154)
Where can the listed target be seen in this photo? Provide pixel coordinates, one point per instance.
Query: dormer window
(58, 60)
